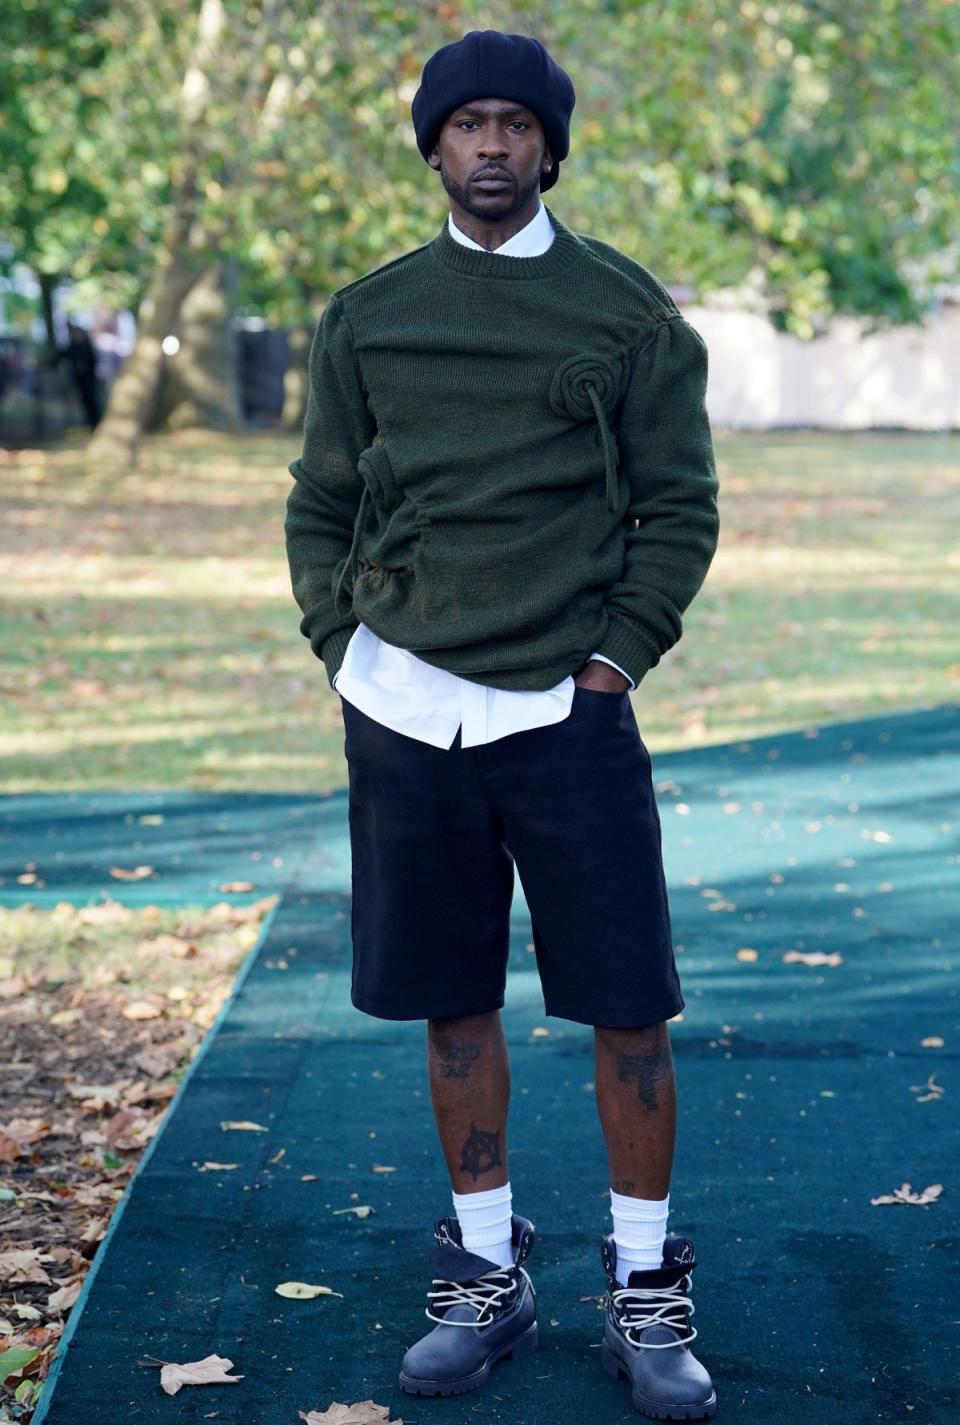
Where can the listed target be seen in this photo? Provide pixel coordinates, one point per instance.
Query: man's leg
(470, 1088)
(637, 1101)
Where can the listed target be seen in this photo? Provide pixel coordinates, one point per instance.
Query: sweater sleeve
(323, 503)
(666, 453)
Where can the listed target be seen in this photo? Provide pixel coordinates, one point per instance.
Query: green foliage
(812, 145)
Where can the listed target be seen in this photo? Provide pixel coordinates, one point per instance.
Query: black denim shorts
(434, 837)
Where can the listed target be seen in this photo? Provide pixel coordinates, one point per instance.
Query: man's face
(487, 135)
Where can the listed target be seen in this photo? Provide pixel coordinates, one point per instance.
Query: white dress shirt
(398, 689)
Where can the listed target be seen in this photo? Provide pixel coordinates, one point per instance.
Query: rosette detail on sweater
(585, 387)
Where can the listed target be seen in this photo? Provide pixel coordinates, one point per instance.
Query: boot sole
(515, 1350)
(613, 1366)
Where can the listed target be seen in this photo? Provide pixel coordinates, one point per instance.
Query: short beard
(488, 213)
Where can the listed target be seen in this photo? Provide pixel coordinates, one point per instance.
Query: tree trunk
(183, 256)
(133, 396)
(201, 388)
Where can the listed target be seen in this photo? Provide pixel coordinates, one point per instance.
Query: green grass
(149, 638)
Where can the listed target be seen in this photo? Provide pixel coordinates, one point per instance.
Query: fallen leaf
(10, 1149)
(357, 1211)
(303, 1291)
(23, 1265)
(383, 1168)
(237, 886)
(746, 953)
(27, 1130)
(65, 1297)
(245, 1124)
(156, 1061)
(812, 957)
(101, 1094)
(212, 1370)
(906, 1194)
(217, 1167)
(933, 1041)
(64, 1016)
(16, 1359)
(364, 1412)
(138, 873)
(143, 1009)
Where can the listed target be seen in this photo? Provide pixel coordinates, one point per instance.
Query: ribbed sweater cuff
(626, 645)
(334, 649)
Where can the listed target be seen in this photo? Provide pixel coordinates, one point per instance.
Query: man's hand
(597, 674)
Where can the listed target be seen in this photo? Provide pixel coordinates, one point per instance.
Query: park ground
(149, 637)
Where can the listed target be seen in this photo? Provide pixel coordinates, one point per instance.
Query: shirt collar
(530, 241)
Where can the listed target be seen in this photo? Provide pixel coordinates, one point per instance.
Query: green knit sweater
(507, 463)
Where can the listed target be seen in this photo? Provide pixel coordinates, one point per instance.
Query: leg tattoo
(649, 1069)
(454, 1060)
(480, 1152)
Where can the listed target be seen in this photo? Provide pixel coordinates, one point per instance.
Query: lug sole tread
(516, 1350)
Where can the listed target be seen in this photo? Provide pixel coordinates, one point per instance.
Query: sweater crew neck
(565, 249)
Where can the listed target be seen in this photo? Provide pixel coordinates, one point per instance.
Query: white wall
(908, 376)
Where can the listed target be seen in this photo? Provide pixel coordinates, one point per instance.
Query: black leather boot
(646, 1335)
(484, 1313)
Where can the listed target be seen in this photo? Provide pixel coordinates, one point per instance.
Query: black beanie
(489, 64)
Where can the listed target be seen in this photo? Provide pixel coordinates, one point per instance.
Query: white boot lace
(484, 1292)
(637, 1307)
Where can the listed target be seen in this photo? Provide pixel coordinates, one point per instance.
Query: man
(82, 356)
(506, 500)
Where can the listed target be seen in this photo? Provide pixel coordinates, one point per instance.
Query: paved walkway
(802, 1093)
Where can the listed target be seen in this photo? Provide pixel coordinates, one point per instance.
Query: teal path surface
(803, 1093)
(194, 842)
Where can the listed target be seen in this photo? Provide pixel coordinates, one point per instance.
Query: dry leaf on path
(363, 1211)
(364, 1412)
(935, 1091)
(383, 1168)
(212, 1370)
(812, 957)
(906, 1194)
(217, 1167)
(245, 1124)
(237, 886)
(303, 1291)
(139, 873)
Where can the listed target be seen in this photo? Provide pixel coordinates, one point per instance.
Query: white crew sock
(485, 1222)
(639, 1227)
